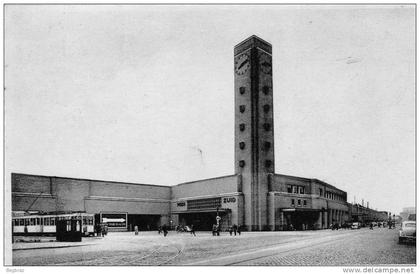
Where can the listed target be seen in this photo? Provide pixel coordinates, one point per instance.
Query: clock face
(265, 63)
(242, 64)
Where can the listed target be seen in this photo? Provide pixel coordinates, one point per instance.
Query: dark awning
(300, 209)
(207, 210)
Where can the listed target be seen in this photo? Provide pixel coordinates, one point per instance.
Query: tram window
(304, 202)
(295, 189)
(52, 221)
(15, 223)
(90, 221)
(301, 190)
(289, 189)
(293, 202)
(299, 203)
(21, 222)
(47, 221)
(37, 221)
(32, 221)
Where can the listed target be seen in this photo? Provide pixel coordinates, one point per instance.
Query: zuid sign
(227, 200)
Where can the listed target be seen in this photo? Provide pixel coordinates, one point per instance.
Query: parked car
(355, 225)
(407, 231)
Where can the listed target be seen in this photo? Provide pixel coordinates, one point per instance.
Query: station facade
(254, 197)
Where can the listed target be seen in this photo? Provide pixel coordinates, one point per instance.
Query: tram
(37, 224)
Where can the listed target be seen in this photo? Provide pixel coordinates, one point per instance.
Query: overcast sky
(144, 94)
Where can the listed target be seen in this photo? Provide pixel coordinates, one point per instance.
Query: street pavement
(292, 248)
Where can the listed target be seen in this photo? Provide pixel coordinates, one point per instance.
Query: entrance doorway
(143, 222)
(202, 221)
(301, 220)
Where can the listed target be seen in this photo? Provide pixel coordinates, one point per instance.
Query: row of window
(266, 108)
(331, 195)
(34, 221)
(204, 203)
(295, 189)
(266, 126)
(265, 90)
(299, 202)
(267, 163)
(45, 221)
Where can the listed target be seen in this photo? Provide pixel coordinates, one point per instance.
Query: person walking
(239, 230)
(230, 230)
(214, 229)
(165, 230)
(235, 229)
(193, 230)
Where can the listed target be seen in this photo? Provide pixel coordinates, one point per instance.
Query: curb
(47, 247)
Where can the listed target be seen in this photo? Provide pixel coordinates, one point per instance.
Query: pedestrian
(102, 230)
(136, 230)
(371, 226)
(239, 230)
(193, 230)
(235, 229)
(218, 230)
(230, 230)
(214, 229)
(165, 230)
(159, 229)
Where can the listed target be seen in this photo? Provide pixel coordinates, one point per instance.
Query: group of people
(234, 229)
(163, 229)
(101, 230)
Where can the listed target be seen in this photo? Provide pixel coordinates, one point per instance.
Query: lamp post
(217, 216)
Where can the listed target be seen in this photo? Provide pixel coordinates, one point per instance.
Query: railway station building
(254, 196)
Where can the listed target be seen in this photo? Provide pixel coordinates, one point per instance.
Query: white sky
(133, 93)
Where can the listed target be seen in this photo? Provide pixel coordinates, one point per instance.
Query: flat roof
(89, 180)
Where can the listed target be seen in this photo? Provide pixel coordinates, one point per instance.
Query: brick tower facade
(254, 131)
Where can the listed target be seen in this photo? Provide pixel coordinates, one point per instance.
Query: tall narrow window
(266, 90)
(301, 190)
(241, 163)
(242, 127)
(242, 108)
(289, 189)
(242, 145)
(293, 202)
(242, 90)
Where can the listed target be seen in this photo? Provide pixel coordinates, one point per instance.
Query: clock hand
(242, 64)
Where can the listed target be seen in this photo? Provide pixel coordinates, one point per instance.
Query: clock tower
(254, 131)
